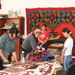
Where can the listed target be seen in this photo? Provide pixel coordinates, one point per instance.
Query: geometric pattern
(53, 17)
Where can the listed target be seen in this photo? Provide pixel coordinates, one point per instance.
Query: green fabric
(7, 45)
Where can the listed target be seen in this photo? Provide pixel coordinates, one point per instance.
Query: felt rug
(53, 17)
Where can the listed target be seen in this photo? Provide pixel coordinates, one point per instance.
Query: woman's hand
(15, 56)
(61, 60)
(5, 60)
(40, 46)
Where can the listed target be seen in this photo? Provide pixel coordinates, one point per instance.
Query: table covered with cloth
(32, 68)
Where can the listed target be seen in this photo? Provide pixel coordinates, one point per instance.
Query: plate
(7, 65)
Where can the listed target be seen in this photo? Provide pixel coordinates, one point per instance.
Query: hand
(61, 60)
(17, 62)
(5, 60)
(40, 46)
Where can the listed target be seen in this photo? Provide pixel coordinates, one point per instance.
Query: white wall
(22, 4)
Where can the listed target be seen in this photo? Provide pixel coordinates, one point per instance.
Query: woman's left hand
(61, 60)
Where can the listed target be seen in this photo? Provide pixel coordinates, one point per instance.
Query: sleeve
(33, 43)
(23, 44)
(14, 46)
(67, 44)
(2, 41)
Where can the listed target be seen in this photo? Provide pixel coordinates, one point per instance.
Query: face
(37, 34)
(12, 36)
(65, 34)
(43, 28)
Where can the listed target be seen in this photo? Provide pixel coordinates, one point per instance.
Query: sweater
(29, 43)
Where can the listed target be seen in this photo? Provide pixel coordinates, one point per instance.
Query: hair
(70, 33)
(13, 30)
(66, 30)
(44, 25)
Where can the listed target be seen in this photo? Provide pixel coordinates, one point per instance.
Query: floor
(61, 73)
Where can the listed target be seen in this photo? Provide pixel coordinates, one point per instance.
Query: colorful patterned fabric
(40, 55)
(53, 17)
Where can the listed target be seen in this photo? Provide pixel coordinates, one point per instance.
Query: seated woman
(30, 42)
(44, 37)
(7, 45)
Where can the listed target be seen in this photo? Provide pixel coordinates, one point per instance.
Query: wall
(22, 4)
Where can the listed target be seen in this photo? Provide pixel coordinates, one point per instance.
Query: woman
(44, 37)
(7, 45)
(67, 49)
(31, 41)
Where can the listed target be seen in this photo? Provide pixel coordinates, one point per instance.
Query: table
(32, 68)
